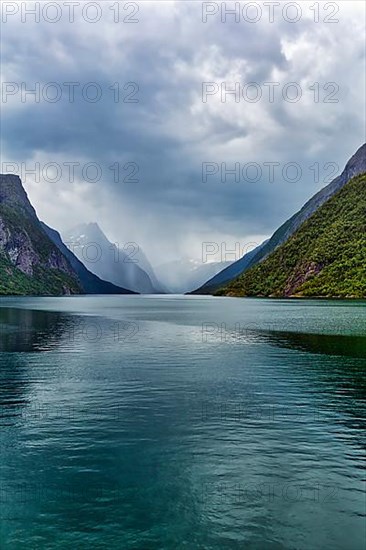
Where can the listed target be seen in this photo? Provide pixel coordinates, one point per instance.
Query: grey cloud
(169, 133)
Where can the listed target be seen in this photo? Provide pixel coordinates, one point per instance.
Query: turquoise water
(182, 422)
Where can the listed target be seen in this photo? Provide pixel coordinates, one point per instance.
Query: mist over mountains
(187, 274)
(123, 265)
(91, 283)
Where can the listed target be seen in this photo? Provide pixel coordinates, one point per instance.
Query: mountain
(30, 263)
(233, 270)
(109, 262)
(325, 257)
(354, 167)
(143, 262)
(185, 275)
(91, 283)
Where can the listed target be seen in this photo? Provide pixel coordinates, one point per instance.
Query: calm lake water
(182, 422)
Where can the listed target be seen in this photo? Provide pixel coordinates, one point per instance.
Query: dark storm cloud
(170, 132)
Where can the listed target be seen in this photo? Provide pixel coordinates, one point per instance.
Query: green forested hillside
(43, 282)
(325, 257)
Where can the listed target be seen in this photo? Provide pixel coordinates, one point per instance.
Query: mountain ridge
(228, 273)
(356, 165)
(325, 257)
(92, 284)
(111, 263)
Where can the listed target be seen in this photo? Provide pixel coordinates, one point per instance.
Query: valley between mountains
(318, 252)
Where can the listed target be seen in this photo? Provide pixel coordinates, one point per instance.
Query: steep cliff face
(29, 261)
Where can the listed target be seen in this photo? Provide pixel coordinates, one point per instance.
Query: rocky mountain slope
(30, 263)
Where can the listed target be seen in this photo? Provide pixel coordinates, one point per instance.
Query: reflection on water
(342, 345)
(343, 381)
(137, 428)
(23, 330)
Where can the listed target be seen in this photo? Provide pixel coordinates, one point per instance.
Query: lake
(168, 422)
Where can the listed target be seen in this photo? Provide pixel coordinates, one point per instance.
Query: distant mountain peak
(87, 226)
(92, 284)
(125, 268)
(94, 226)
(86, 233)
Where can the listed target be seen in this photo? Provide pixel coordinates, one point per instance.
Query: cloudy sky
(131, 127)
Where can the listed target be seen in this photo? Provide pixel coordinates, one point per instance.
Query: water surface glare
(168, 422)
